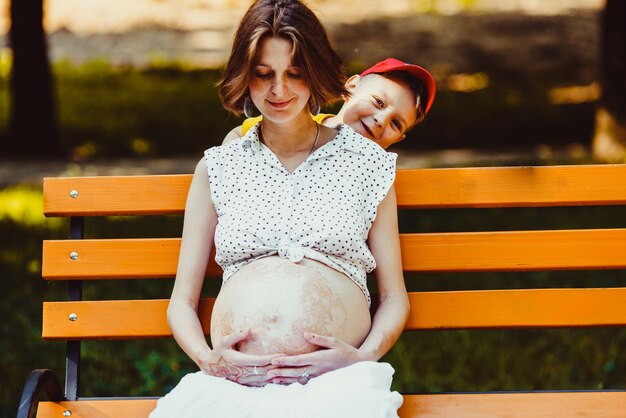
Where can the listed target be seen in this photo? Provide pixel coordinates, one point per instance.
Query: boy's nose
(382, 119)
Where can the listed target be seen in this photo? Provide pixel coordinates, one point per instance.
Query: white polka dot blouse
(322, 211)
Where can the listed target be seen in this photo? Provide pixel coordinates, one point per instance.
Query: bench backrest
(80, 259)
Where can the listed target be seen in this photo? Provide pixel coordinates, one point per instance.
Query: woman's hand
(333, 354)
(225, 361)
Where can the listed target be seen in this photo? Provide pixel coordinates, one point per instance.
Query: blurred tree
(32, 126)
(609, 142)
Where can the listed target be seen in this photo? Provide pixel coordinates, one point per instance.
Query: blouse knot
(293, 252)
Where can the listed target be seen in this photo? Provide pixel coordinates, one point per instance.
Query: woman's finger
(322, 341)
(290, 372)
(287, 380)
(299, 360)
(249, 360)
(235, 337)
(292, 375)
(255, 376)
(256, 384)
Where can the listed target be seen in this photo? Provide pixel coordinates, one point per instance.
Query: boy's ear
(399, 139)
(352, 82)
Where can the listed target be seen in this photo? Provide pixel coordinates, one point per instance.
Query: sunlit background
(531, 65)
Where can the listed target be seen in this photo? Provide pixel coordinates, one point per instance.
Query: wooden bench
(78, 259)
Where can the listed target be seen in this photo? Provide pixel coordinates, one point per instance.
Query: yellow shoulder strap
(319, 118)
(249, 123)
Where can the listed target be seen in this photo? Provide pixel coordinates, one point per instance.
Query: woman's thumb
(236, 337)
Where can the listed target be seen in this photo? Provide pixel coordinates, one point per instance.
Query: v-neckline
(281, 165)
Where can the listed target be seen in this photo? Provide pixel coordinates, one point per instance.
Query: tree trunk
(609, 142)
(32, 127)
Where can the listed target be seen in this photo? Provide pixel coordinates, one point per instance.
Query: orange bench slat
(135, 408)
(481, 187)
(418, 188)
(600, 404)
(433, 252)
(515, 250)
(115, 195)
(124, 319)
(525, 308)
(114, 259)
(596, 404)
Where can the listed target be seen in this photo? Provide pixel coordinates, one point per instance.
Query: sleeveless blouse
(322, 211)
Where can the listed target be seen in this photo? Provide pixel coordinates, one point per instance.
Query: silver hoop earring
(249, 109)
(314, 108)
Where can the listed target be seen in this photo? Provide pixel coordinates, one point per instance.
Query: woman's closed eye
(267, 76)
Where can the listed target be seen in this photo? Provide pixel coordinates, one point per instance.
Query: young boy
(386, 101)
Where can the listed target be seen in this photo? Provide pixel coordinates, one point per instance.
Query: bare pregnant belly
(280, 300)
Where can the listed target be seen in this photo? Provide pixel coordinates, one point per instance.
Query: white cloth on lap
(361, 390)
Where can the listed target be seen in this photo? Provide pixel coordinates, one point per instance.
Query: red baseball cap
(392, 64)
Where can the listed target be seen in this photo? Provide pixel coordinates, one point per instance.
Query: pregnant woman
(298, 214)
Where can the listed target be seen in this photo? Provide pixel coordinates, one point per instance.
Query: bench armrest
(37, 380)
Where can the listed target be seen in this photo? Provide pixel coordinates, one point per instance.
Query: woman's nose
(279, 87)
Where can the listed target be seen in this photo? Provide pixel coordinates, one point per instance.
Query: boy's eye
(378, 102)
(397, 124)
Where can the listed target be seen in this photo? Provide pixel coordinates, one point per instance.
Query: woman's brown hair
(318, 62)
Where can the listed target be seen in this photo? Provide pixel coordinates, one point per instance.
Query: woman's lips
(279, 105)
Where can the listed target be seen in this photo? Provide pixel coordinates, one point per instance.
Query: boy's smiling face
(379, 108)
